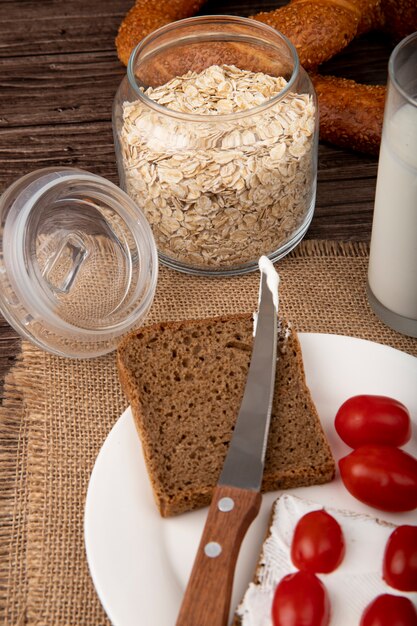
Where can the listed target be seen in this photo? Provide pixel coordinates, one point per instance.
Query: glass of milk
(392, 274)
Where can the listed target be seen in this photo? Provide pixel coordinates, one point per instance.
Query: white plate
(140, 563)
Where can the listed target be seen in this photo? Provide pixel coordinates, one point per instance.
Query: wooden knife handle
(206, 600)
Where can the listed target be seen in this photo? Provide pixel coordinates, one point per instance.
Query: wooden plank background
(58, 75)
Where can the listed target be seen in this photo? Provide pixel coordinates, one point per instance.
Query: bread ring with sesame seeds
(148, 15)
(319, 29)
(351, 114)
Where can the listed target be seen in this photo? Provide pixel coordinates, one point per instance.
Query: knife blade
(237, 498)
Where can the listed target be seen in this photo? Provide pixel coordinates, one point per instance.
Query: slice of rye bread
(185, 383)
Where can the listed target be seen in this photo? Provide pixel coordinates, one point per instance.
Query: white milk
(393, 255)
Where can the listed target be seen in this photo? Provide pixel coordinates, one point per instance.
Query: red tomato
(388, 610)
(300, 600)
(381, 476)
(318, 544)
(373, 419)
(399, 568)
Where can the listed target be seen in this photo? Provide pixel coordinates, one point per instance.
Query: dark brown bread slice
(185, 382)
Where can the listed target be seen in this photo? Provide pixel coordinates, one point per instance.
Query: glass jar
(216, 136)
(78, 261)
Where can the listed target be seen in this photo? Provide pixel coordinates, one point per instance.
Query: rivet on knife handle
(212, 576)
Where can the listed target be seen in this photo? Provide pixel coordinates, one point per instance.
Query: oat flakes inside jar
(216, 138)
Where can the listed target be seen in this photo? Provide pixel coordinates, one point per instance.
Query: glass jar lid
(78, 261)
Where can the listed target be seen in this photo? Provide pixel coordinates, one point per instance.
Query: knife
(237, 498)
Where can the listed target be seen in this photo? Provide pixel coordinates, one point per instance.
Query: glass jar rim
(391, 68)
(190, 117)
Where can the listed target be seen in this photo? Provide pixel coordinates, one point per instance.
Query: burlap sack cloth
(58, 412)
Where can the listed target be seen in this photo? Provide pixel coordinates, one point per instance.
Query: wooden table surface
(58, 75)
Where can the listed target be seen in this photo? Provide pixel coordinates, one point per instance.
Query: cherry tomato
(373, 419)
(388, 610)
(381, 476)
(300, 600)
(399, 568)
(318, 544)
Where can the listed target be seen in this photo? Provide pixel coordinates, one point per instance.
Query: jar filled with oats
(216, 136)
